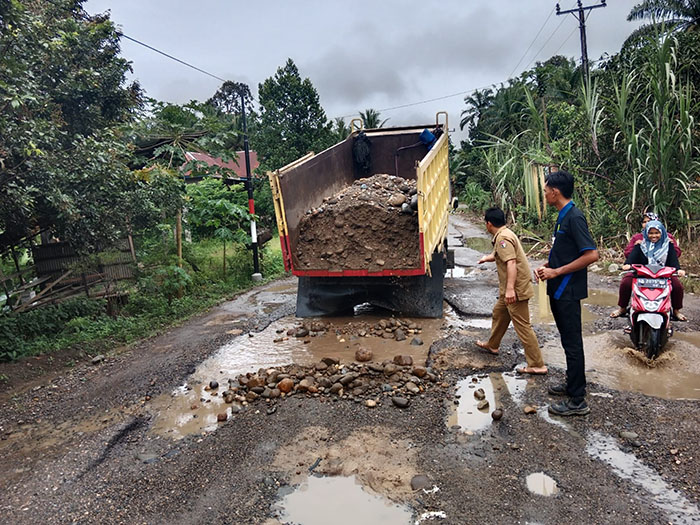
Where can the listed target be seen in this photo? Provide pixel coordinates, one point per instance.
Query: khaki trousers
(517, 312)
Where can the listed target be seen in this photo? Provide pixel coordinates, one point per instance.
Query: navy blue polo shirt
(571, 239)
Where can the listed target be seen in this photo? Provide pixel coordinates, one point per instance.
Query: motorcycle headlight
(651, 306)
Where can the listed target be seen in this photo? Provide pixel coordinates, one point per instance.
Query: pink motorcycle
(650, 308)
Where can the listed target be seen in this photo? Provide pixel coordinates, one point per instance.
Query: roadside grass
(164, 295)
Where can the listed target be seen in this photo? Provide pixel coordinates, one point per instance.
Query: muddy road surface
(246, 415)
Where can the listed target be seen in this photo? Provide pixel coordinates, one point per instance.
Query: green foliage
(17, 329)
(292, 121)
(62, 92)
(371, 119)
(341, 130)
(475, 197)
(154, 304)
(661, 154)
(212, 204)
(629, 137)
(228, 97)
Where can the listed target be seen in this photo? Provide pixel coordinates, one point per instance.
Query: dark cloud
(366, 54)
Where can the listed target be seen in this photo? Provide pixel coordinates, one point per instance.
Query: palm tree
(476, 103)
(371, 119)
(340, 130)
(674, 15)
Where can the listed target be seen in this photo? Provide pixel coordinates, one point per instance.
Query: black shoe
(569, 408)
(557, 390)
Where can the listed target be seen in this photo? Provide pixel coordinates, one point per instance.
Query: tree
(213, 210)
(228, 98)
(63, 92)
(371, 119)
(476, 103)
(673, 15)
(292, 121)
(341, 129)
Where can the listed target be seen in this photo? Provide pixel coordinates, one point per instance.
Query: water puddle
(628, 467)
(457, 272)
(541, 484)
(193, 408)
(494, 387)
(341, 501)
(540, 313)
(611, 361)
(480, 244)
(476, 322)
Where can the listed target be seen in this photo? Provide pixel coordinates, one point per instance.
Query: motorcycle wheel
(653, 343)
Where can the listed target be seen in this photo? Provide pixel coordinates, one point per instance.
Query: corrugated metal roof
(239, 168)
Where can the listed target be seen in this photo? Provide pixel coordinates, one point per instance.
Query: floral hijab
(655, 252)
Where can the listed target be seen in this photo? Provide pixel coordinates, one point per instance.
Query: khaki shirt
(506, 247)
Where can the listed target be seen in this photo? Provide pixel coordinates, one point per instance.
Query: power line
(171, 57)
(545, 44)
(531, 43)
(566, 40)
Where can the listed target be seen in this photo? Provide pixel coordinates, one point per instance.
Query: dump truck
(365, 221)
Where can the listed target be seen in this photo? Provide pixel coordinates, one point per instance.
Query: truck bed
(302, 186)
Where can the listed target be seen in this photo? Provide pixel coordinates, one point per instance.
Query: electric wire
(171, 57)
(531, 43)
(392, 108)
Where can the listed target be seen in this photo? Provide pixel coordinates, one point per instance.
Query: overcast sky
(359, 54)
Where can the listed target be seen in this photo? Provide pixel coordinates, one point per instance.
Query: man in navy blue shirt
(573, 250)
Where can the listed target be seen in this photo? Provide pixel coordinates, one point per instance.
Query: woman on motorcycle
(655, 248)
(638, 238)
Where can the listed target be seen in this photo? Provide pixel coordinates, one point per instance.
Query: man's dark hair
(495, 216)
(563, 181)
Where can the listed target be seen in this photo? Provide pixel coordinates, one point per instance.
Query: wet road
(136, 438)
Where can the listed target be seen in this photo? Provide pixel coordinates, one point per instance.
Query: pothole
(480, 244)
(341, 501)
(193, 408)
(488, 387)
(541, 484)
(611, 361)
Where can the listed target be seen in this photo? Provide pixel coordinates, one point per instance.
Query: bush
(18, 329)
(475, 197)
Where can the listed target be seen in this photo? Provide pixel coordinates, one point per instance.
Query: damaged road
(136, 437)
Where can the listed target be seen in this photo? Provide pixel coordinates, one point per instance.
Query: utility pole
(580, 15)
(251, 203)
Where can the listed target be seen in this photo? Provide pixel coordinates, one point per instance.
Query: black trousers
(567, 316)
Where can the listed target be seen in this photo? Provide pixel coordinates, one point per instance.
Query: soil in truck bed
(369, 225)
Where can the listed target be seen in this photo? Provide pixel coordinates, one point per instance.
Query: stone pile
(399, 380)
(392, 328)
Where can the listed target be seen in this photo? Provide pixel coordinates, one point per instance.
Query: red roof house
(238, 169)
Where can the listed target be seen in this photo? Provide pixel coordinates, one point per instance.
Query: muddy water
(611, 361)
(541, 484)
(495, 386)
(628, 467)
(540, 313)
(480, 244)
(192, 408)
(341, 501)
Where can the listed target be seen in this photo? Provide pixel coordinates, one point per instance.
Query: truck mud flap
(416, 296)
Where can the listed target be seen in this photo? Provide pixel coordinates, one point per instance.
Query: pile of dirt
(371, 225)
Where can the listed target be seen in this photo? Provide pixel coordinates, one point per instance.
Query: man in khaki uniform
(514, 291)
